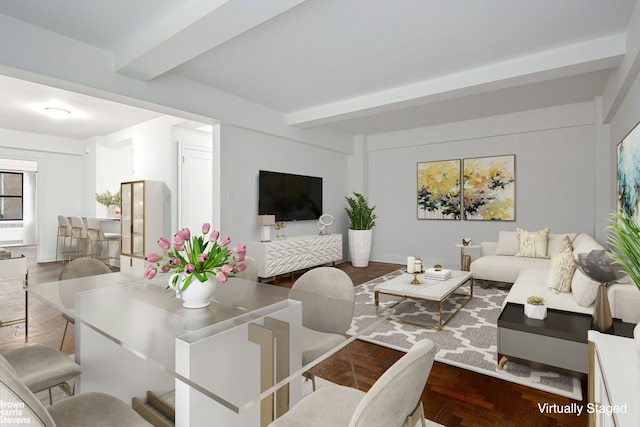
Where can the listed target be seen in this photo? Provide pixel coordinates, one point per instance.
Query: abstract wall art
(438, 195)
(629, 173)
(489, 188)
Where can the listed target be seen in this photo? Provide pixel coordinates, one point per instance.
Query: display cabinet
(144, 219)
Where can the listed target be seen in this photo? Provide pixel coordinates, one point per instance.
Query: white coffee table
(429, 290)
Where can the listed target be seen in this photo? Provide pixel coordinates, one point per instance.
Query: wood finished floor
(453, 396)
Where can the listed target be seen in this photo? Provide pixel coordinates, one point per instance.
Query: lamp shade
(266, 219)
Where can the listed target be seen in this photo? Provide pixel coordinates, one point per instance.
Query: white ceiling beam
(579, 58)
(198, 27)
(622, 78)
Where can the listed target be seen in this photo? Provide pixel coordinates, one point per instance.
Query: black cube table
(558, 342)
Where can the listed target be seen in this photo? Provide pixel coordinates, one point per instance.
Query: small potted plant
(361, 221)
(534, 308)
(111, 201)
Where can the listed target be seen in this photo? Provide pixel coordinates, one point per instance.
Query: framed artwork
(489, 188)
(439, 190)
(629, 173)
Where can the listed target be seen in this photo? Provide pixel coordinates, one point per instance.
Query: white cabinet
(614, 378)
(295, 253)
(144, 219)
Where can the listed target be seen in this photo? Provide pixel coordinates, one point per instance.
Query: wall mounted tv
(289, 197)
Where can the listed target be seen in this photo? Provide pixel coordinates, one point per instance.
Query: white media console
(294, 253)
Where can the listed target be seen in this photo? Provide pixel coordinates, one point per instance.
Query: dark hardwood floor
(452, 397)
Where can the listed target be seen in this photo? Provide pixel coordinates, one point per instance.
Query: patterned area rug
(468, 340)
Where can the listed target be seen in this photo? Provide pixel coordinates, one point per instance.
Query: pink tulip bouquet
(198, 256)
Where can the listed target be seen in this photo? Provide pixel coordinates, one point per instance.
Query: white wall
(59, 180)
(113, 166)
(244, 152)
(555, 179)
(154, 154)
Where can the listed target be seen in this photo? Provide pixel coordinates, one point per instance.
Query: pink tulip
(178, 239)
(227, 269)
(152, 257)
(177, 247)
(174, 261)
(224, 241)
(165, 269)
(214, 236)
(150, 273)
(240, 248)
(239, 257)
(203, 257)
(221, 277)
(189, 268)
(206, 227)
(185, 233)
(241, 267)
(164, 243)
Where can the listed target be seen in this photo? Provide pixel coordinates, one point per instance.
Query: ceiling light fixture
(57, 113)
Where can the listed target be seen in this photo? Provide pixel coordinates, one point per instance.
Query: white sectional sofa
(499, 264)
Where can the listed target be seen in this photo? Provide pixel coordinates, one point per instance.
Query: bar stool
(79, 234)
(97, 237)
(64, 233)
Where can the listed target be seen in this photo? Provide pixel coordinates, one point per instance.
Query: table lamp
(266, 221)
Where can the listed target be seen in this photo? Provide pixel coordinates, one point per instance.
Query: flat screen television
(289, 197)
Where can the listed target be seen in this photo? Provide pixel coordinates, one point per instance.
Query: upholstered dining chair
(324, 324)
(81, 267)
(41, 367)
(392, 401)
(250, 273)
(89, 409)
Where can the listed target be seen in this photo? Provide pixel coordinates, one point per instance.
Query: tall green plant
(361, 216)
(625, 238)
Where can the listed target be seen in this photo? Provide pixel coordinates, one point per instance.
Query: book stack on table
(432, 273)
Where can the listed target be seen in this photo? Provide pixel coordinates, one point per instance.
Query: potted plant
(111, 201)
(534, 308)
(361, 221)
(625, 238)
(197, 263)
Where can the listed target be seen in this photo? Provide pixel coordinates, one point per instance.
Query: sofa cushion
(533, 244)
(554, 239)
(507, 243)
(500, 268)
(534, 282)
(584, 289)
(584, 243)
(562, 267)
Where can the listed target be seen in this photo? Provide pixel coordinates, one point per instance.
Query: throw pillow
(533, 244)
(507, 243)
(562, 267)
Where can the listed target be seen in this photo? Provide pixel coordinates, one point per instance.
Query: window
(11, 188)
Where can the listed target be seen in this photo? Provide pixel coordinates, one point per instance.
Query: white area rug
(468, 341)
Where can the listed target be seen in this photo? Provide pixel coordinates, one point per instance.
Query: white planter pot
(197, 294)
(360, 247)
(535, 311)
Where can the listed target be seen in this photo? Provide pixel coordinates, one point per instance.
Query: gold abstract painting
(439, 190)
(489, 188)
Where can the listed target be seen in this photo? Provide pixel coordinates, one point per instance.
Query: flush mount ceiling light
(57, 113)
